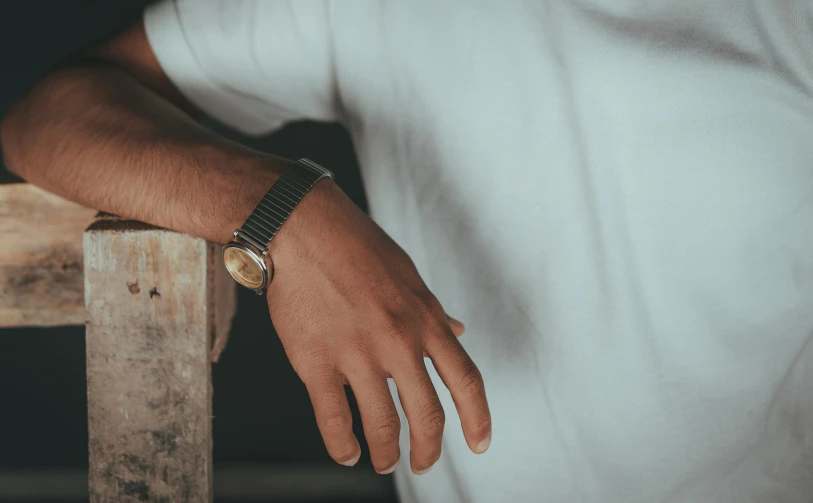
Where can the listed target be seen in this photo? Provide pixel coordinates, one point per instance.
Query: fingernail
(483, 445)
(390, 469)
(351, 462)
(421, 472)
(455, 320)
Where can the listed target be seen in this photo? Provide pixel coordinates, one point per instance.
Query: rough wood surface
(157, 310)
(223, 305)
(40, 258)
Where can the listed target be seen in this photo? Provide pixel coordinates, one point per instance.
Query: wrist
(247, 255)
(235, 188)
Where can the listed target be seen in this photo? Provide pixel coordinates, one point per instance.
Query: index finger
(463, 378)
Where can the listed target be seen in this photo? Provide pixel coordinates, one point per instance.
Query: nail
(455, 320)
(483, 445)
(421, 472)
(351, 462)
(390, 469)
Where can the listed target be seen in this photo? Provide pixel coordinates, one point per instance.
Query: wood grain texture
(157, 310)
(40, 258)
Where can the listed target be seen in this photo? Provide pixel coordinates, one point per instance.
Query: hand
(350, 307)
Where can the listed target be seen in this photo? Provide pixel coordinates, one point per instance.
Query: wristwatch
(245, 255)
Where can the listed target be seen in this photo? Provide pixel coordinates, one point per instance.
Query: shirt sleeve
(251, 64)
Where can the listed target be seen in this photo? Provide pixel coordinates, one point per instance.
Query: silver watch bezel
(257, 256)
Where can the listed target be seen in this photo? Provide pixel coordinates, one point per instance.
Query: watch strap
(279, 202)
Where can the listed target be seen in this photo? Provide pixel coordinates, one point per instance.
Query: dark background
(262, 413)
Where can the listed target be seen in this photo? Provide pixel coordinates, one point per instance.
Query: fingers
(461, 376)
(382, 427)
(333, 416)
(424, 413)
(419, 399)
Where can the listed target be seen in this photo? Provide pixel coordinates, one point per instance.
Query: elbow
(26, 126)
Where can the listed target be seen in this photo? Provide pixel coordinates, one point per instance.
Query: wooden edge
(223, 301)
(111, 223)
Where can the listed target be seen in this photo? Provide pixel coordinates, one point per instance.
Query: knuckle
(427, 298)
(360, 364)
(335, 424)
(429, 307)
(398, 330)
(471, 384)
(325, 399)
(388, 430)
(358, 353)
(433, 421)
(396, 326)
(319, 381)
(308, 357)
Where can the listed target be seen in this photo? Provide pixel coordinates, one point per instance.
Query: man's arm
(102, 132)
(110, 132)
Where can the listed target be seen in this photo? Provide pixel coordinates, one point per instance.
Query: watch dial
(243, 268)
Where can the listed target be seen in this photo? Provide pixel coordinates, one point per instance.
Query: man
(616, 197)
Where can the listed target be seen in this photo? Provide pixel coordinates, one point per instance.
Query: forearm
(94, 135)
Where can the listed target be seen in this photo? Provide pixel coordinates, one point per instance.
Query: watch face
(244, 267)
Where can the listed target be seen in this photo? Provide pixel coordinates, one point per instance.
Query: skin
(110, 131)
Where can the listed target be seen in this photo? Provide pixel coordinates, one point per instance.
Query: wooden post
(158, 307)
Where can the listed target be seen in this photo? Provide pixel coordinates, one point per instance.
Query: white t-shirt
(616, 197)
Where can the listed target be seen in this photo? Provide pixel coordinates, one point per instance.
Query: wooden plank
(156, 305)
(40, 258)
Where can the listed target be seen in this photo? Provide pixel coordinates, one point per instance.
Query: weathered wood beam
(157, 304)
(40, 258)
